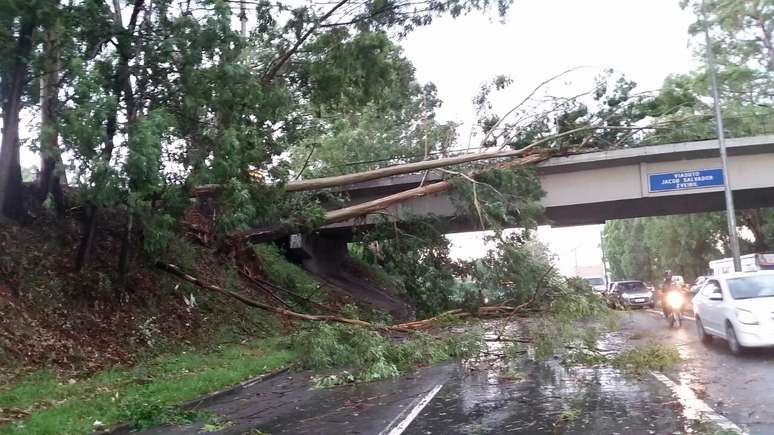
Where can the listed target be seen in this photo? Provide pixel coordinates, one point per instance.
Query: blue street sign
(693, 179)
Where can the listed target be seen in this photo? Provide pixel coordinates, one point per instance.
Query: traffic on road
(721, 327)
(721, 384)
(711, 391)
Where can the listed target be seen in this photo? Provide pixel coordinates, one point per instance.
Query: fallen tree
(266, 234)
(177, 271)
(487, 311)
(406, 168)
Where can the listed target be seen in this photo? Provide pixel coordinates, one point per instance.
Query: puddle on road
(496, 395)
(549, 399)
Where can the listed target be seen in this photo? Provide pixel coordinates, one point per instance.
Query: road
(523, 397)
(738, 387)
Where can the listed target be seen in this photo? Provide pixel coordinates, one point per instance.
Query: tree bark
(10, 168)
(52, 175)
(87, 238)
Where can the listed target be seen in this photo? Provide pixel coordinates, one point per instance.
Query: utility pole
(730, 211)
(243, 18)
(604, 258)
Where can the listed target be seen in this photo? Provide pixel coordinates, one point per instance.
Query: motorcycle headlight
(746, 317)
(675, 300)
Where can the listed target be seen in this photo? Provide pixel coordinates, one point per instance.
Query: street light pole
(730, 211)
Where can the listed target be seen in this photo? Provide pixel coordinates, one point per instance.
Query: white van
(750, 263)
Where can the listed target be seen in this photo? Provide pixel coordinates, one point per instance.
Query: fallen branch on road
(487, 311)
(426, 323)
(525, 304)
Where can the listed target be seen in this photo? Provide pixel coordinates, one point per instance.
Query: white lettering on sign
(687, 179)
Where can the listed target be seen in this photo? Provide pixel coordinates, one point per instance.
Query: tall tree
(20, 23)
(52, 175)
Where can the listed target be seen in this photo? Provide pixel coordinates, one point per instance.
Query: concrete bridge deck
(594, 187)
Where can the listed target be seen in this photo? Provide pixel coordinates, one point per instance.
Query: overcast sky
(644, 39)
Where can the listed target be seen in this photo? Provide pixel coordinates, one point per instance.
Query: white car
(738, 307)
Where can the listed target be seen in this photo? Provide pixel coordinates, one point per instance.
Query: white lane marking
(397, 426)
(695, 408)
(661, 314)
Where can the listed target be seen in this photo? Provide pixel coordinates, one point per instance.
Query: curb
(209, 398)
(205, 400)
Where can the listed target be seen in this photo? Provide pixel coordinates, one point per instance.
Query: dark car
(629, 294)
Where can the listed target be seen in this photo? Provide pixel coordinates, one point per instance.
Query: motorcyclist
(668, 286)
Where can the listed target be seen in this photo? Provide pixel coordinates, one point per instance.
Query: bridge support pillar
(320, 254)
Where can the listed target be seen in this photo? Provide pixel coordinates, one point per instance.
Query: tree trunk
(10, 168)
(351, 212)
(408, 168)
(87, 238)
(51, 175)
(121, 85)
(124, 85)
(267, 234)
(343, 180)
(494, 310)
(126, 242)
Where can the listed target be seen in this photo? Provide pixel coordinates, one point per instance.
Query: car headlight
(746, 317)
(649, 294)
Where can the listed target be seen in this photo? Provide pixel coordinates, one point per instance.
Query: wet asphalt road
(738, 387)
(517, 397)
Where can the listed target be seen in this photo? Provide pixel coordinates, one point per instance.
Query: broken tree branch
(525, 304)
(410, 327)
(178, 272)
(527, 98)
(277, 65)
(264, 284)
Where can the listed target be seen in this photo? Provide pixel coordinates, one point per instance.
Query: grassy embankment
(144, 395)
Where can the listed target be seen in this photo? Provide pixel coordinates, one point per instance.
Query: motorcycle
(675, 300)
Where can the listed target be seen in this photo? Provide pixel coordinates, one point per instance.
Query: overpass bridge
(594, 187)
(580, 189)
